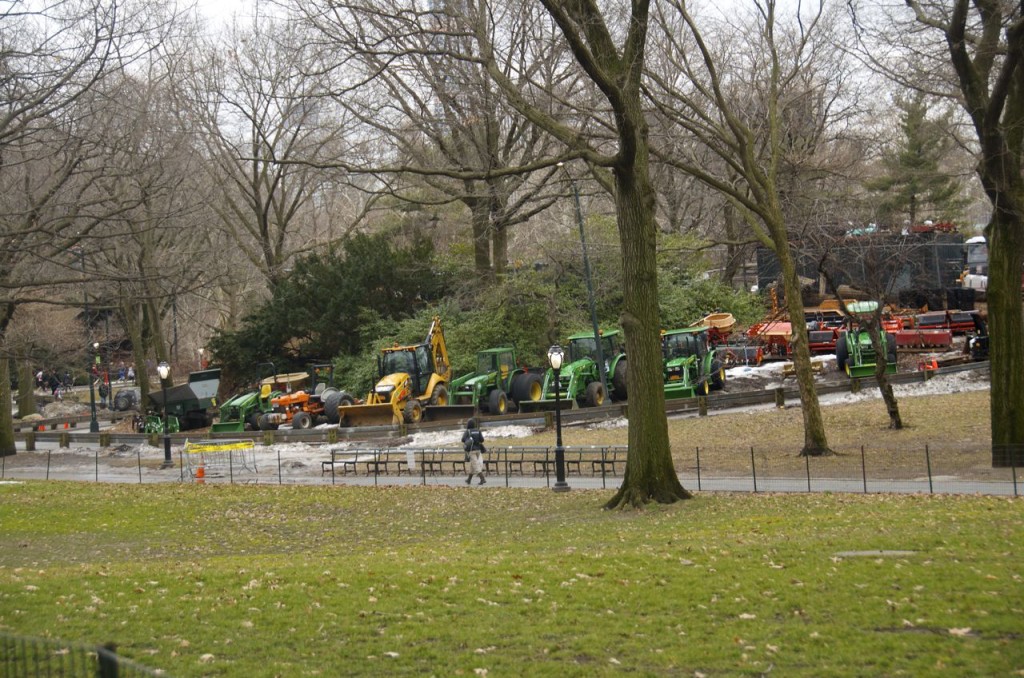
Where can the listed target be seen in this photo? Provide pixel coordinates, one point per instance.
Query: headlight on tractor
(385, 390)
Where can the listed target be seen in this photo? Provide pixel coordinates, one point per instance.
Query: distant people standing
(121, 371)
(53, 382)
(104, 392)
(131, 373)
(473, 444)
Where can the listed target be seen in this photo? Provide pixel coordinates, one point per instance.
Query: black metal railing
(928, 468)
(45, 657)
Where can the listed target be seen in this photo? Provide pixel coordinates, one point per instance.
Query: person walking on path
(473, 444)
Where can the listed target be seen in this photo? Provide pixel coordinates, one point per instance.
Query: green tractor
(241, 412)
(579, 382)
(854, 353)
(692, 367)
(498, 385)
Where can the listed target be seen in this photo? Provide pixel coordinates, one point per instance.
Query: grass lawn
(293, 581)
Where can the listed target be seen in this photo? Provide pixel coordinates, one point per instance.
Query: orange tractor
(304, 408)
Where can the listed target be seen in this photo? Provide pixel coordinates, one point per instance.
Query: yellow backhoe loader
(412, 386)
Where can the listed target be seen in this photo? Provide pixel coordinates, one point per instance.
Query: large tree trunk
(1005, 235)
(815, 441)
(26, 389)
(892, 406)
(7, 446)
(650, 474)
(480, 215)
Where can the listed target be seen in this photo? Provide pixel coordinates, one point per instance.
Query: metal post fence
(807, 464)
(753, 469)
(928, 466)
(604, 468)
(698, 468)
(864, 469)
(48, 464)
(138, 456)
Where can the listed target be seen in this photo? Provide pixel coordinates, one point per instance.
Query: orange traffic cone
(201, 475)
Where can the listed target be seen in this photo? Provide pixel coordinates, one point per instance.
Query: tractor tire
(497, 403)
(331, 401)
(413, 413)
(717, 376)
(254, 421)
(346, 400)
(702, 388)
(596, 394)
(527, 387)
(890, 348)
(265, 425)
(302, 421)
(842, 352)
(621, 389)
(124, 400)
(439, 395)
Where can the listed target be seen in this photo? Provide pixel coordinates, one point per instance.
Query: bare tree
(270, 130)
(973, 53)
(764, 112)
(51, 56)
(443, 131)
(157, 251)
(610, 50)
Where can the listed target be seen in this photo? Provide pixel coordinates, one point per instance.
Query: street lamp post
(164, 370)
(94, 425)
(601, 369)
(555, 356)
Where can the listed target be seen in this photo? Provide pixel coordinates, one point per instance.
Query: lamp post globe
(164, 370)
(555, 357)
(94, 424)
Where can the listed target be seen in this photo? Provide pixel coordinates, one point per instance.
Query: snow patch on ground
(454, 438)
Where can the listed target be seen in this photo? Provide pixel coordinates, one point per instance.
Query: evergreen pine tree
(914, 185)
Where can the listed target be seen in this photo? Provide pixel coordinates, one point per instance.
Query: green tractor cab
(854, 353)
(579, 382)
(692, 367)
(242, 411)
(497, 386)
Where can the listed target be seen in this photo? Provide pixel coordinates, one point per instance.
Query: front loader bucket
(228, 427)
(677, 389)
(367, 415)
(448, 412)
(547, 405)
(867, 370)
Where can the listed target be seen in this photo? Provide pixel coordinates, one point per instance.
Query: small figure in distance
(473, 444)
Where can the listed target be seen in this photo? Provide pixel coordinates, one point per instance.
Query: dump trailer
(692, 367)
(854, 353)
(579, 379)
(498, 385)
(412, 386)
(242, 411)
(187, 405)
